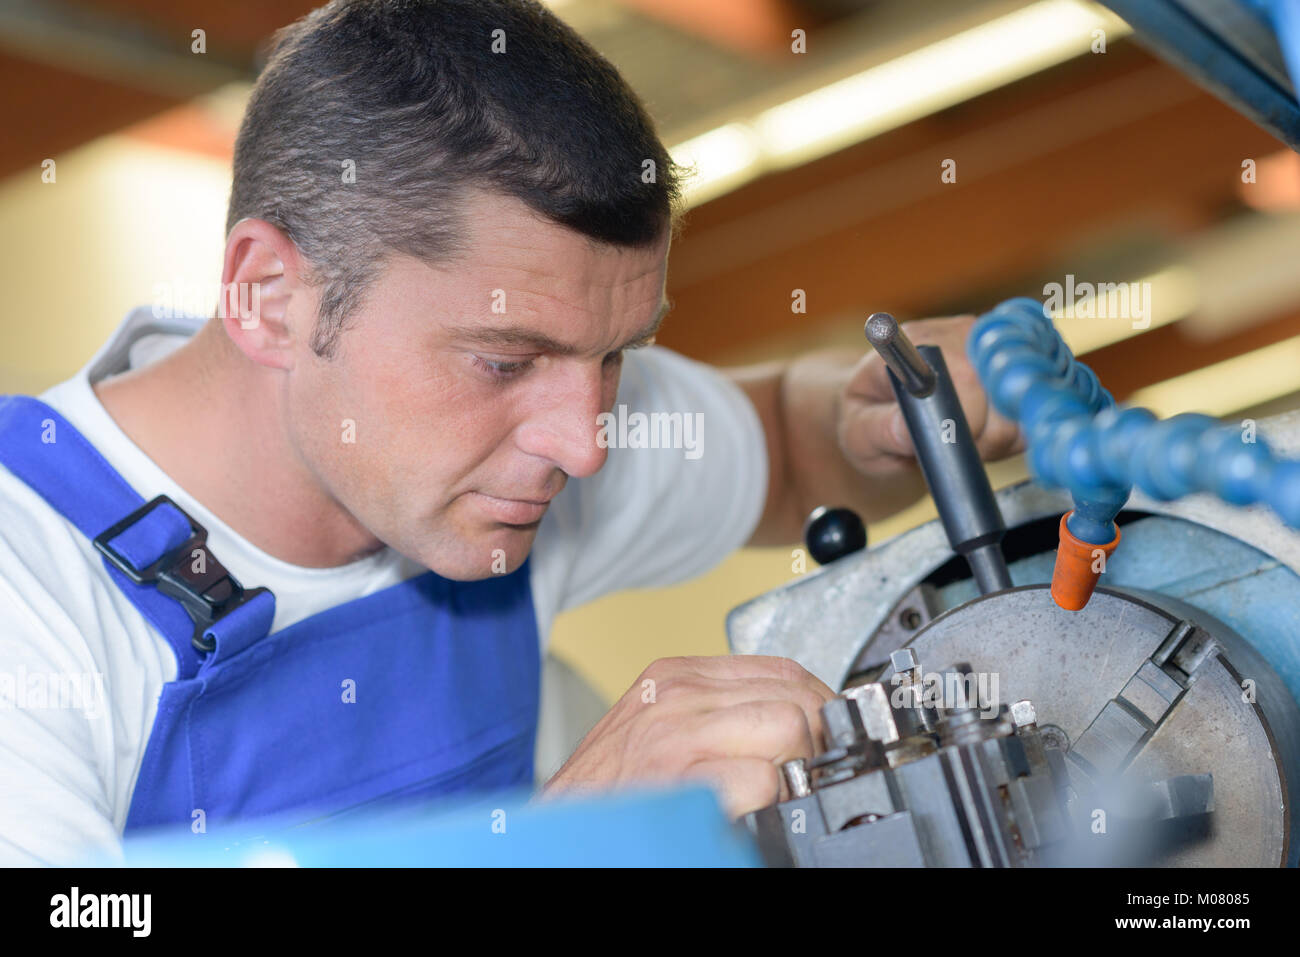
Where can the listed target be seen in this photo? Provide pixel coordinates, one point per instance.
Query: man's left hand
(872, 433)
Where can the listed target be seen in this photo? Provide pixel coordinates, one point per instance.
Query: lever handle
(945, 450)
(832, 533)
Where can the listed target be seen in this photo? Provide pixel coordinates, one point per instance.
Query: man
(443, 214)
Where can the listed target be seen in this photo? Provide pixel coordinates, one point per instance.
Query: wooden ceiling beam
(874, 227)
(760, 28)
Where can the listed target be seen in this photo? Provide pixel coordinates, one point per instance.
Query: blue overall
(425, 688)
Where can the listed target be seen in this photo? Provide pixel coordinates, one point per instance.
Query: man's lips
(511, 511)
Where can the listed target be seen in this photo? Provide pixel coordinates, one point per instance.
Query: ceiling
(73, 70)
(1113, 166)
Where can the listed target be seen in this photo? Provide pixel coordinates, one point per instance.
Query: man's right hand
(729, 720)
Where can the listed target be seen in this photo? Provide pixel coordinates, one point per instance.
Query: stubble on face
(413, 429)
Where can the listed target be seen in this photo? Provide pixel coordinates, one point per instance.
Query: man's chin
(499, 551)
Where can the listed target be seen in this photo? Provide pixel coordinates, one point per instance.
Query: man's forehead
(537, 280)
(500, 331)
(495, 224)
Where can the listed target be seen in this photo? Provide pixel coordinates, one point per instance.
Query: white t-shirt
(81, 670)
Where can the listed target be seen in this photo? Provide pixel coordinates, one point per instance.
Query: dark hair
(412, 93)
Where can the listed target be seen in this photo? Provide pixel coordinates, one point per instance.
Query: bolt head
(903, 660)
(843, 722)
(1023, 714)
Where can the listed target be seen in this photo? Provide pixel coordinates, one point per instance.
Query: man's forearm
(798, 402)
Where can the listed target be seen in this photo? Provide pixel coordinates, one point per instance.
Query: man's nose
(566, 428)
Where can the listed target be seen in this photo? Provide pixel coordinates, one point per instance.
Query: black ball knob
(832, 533)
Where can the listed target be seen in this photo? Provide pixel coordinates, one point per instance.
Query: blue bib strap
(161, 531)
(234, 632)
(42, 448)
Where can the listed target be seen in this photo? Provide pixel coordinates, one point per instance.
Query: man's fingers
(776, 731)
(877, 429)
(1000, 441)
(740, 667)
(995, 437)
(747, 713)
(876, 432)
(873, 430)
(882, 430)
(730, 692)
(869, 380)
(743, 784)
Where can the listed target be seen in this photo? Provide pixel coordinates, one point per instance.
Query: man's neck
(210, 419)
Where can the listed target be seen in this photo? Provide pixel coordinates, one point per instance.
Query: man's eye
(502, 370)
(614, 358)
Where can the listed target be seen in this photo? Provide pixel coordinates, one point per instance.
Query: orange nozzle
(1078, 566)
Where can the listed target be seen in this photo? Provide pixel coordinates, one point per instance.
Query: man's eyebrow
(539, 341)
(665, 307)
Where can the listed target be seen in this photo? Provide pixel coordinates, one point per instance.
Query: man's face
(461, 398)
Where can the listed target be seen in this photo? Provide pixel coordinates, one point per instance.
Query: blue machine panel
(1247, 52)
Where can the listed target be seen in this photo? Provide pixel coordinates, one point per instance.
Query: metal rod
(989, 566)
(945, 451)
(887, 338)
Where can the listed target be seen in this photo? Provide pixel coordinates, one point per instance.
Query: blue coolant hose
(1080, 440)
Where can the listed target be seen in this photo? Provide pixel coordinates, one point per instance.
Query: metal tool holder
(1141, 728)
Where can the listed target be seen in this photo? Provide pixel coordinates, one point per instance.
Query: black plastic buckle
(207, 592)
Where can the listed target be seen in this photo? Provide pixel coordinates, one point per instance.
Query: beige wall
(611, 640)
(77, 253)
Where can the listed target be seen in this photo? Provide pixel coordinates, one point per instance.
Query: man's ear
(266, 306)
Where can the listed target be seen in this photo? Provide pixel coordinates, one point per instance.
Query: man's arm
(798, 402)
(54, 807)
(835, 435)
